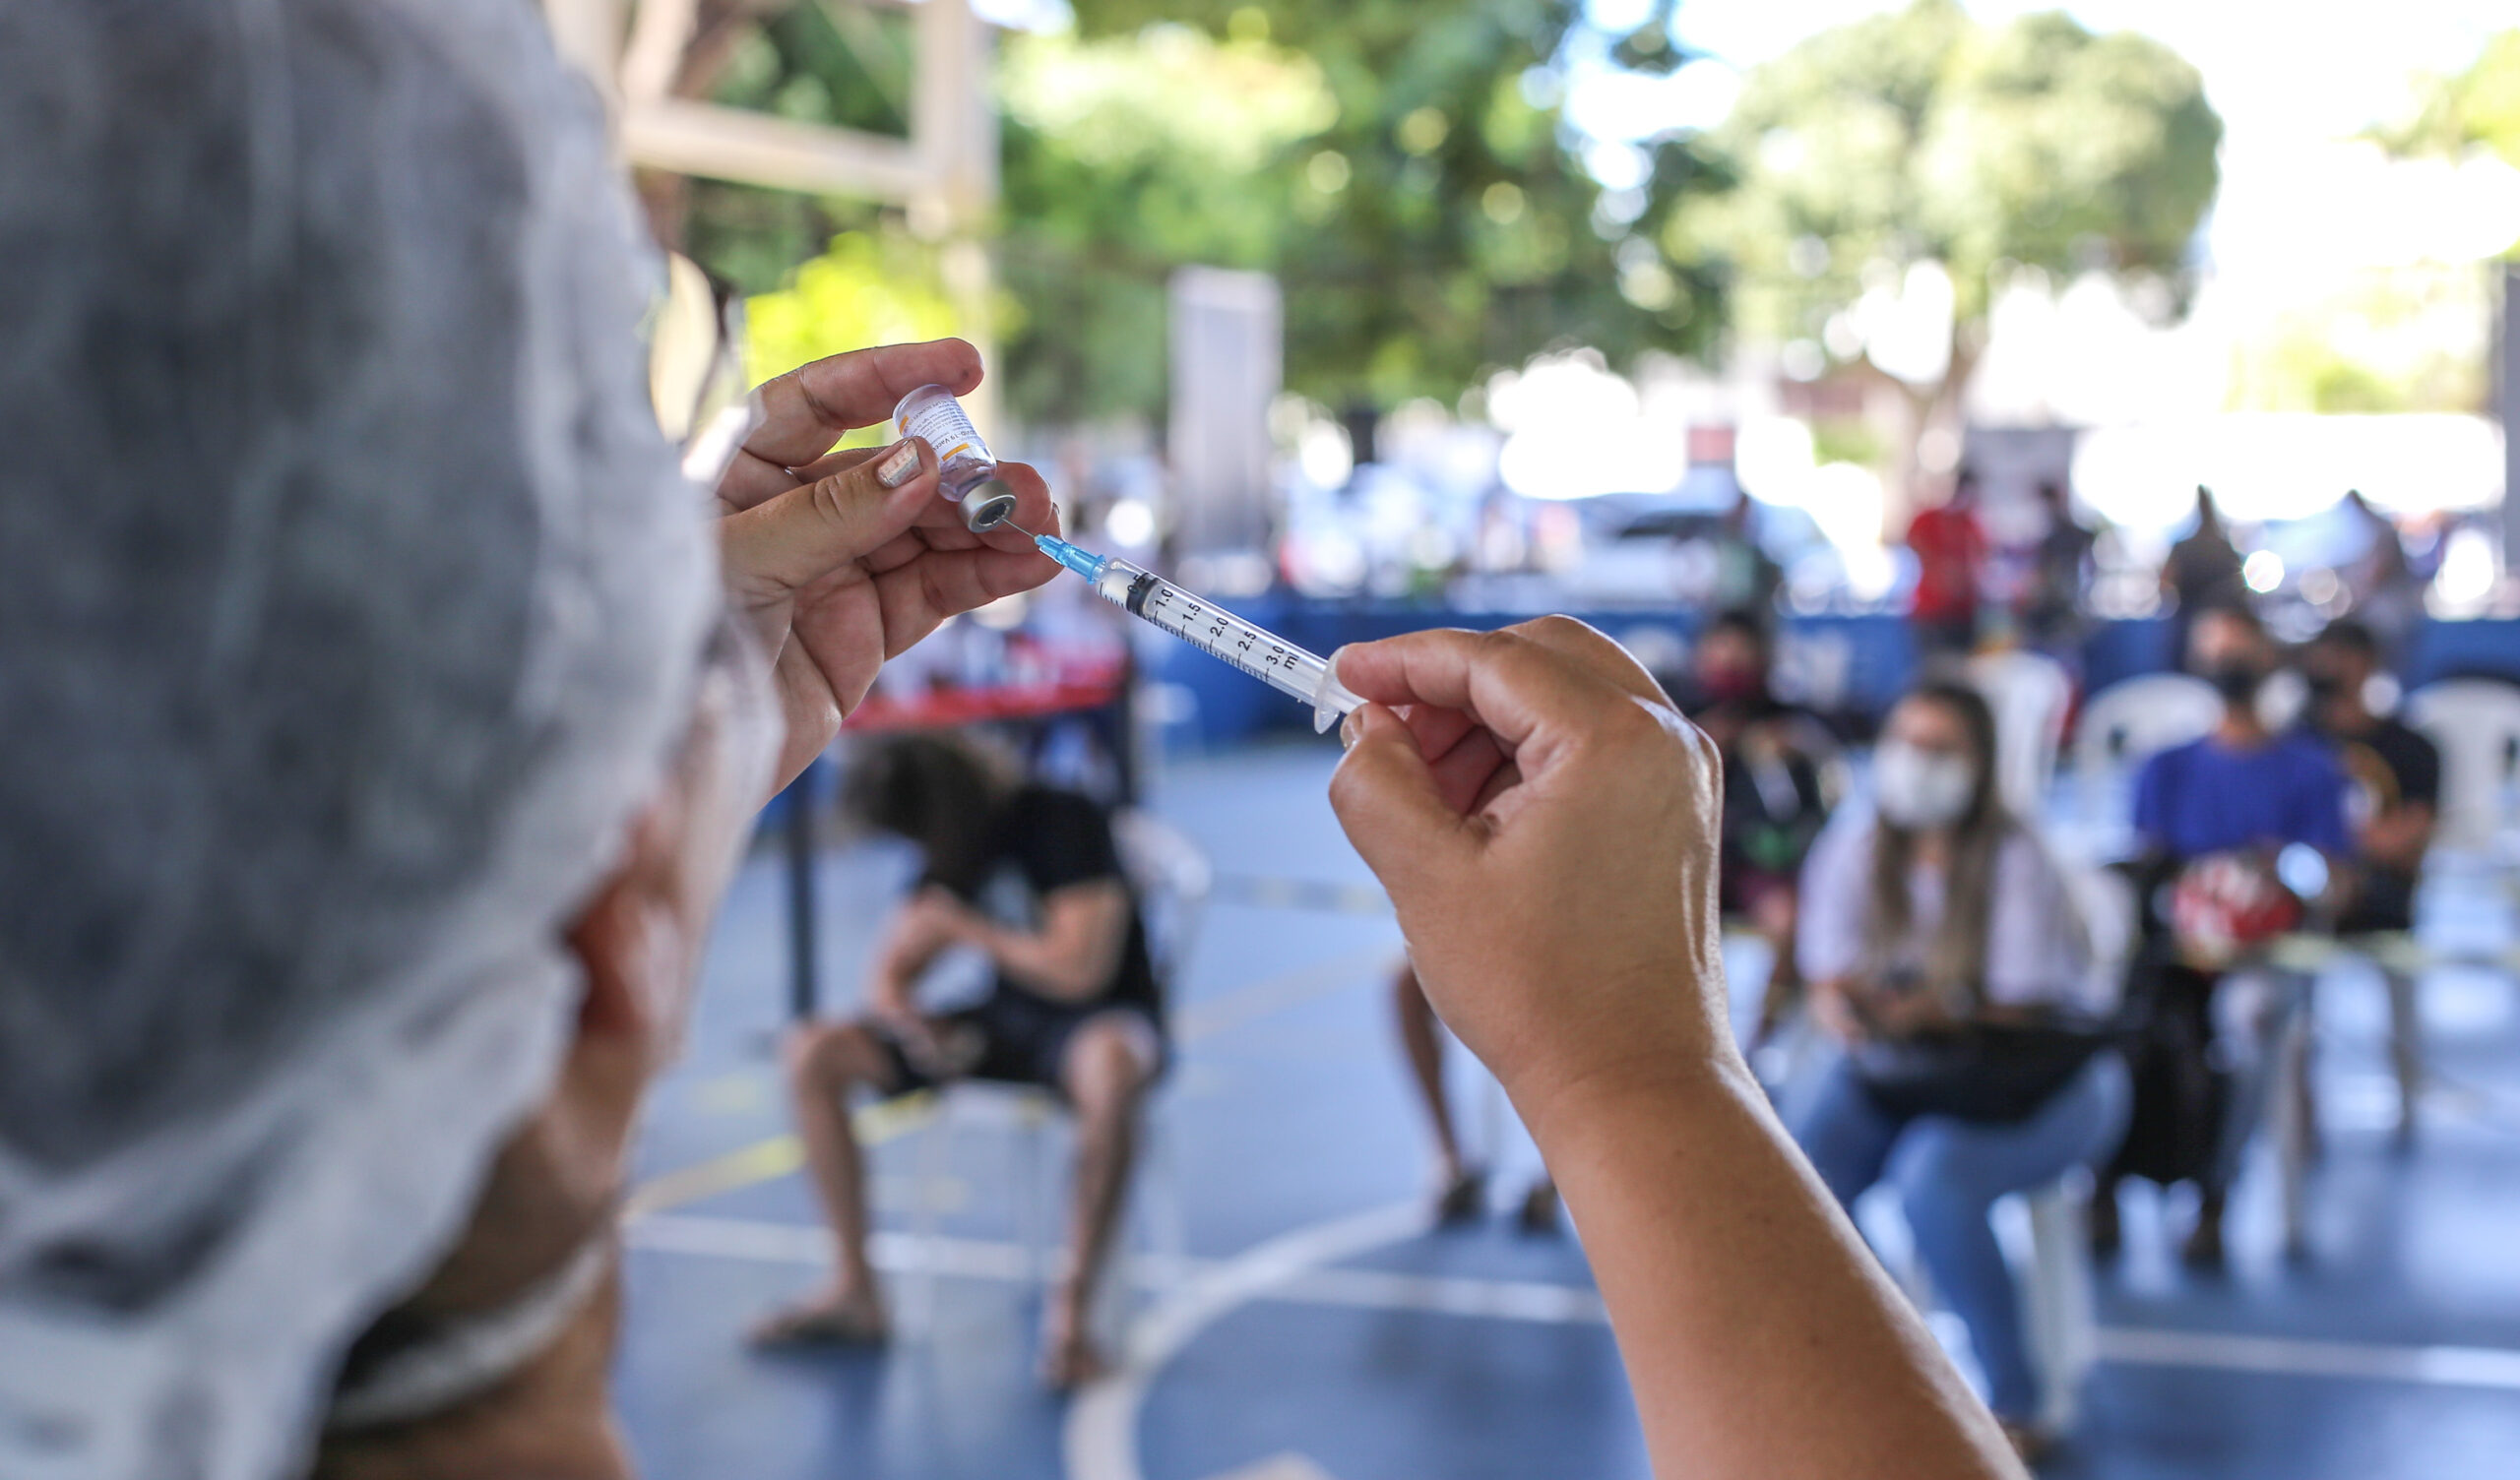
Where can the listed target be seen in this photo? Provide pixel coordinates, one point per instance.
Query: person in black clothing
(2394, 776)
(2051, 616)
(1774, 800)
(1032, 878)
(2203, 572)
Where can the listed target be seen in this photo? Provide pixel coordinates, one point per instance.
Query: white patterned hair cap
(349, 603)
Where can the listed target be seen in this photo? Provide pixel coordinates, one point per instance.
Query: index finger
(811, 408)
(1511, 682)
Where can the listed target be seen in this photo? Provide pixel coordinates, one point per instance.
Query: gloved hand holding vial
(968, 477)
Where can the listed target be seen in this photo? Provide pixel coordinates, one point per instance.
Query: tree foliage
(2476, 108)
(1124, 159)
(1435, 220)
(1403, 166)
(1925, 136)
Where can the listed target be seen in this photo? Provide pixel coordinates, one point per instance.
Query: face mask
(1918, 788)
(2236, 679)
(1732, 682)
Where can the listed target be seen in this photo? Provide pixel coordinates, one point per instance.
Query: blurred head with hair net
(352, 611)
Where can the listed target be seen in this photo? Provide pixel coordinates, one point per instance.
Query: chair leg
(2062, 1327)
(1037, 1223)
(2294, 1128)
(934, 1160)
(1168, 1223)
(2406, 1048)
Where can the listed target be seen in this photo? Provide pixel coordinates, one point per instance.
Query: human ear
(631, 943)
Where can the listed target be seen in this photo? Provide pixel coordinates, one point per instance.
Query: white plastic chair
(2128, 721)
(2476, 724)
(2030, 693)
(1172, 879)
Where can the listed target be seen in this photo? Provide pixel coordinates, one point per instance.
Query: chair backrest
(2476, 725)
(2127, 721)
(1172, 879)
(2107, 902)
(2029, 694)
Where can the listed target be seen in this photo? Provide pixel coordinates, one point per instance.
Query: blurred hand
(1546, 823)
(1834, 1008)
(935, 918)
(839, 573)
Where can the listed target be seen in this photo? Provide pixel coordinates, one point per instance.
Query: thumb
(788, 541)
(1390, 803)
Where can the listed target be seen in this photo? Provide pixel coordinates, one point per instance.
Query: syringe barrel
(964, 460)
(1221, 633)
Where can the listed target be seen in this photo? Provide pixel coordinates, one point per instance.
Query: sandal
(857, 1322)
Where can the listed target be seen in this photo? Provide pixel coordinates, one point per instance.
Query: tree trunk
(1928, 408)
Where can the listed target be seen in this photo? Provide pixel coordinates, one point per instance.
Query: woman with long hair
(1945, 951)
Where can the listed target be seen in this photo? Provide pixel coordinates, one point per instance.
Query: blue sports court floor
(1317, 1330)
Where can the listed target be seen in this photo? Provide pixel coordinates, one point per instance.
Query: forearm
(2397, 841)
(1760, 1336)
(1056, 969)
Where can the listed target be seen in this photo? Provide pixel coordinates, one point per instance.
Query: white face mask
(1920, 788)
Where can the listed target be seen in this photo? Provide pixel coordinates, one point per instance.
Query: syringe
(1210, 629)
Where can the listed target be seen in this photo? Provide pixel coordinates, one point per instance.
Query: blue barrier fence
(1867, 661)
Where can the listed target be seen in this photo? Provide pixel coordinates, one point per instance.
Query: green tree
(1916, 158)
(1438, 224)
(2478, 107)
(1403, 166)
(1123, 159)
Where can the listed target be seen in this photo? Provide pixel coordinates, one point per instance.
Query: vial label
(964, 460)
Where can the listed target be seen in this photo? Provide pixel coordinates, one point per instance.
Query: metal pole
(804, 994)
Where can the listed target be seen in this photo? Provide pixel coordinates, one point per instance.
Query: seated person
(2240, 791)
(1774, 800)
(2394, 777)
(1032, 878)
(1944, 949)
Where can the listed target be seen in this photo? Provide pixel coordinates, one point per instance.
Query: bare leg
(1107, 1072)
(1421, 1037)
(825, 1061)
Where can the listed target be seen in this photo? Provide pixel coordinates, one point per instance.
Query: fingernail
(1350, 731)
(900, 466)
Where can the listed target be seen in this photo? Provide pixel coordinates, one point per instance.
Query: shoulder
(2312, 756)
(2407, 740)
(2170, 760)
(1846, 837)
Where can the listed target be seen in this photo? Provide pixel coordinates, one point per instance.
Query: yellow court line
(768, 1159)
(776, 1156)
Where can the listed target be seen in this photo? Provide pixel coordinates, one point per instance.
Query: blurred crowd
(1967, 1000)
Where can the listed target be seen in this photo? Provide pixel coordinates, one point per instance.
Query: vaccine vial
(967, 471)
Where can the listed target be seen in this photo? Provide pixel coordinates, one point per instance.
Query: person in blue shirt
(2242, 789)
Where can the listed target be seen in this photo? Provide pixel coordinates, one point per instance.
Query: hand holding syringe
(931, 411)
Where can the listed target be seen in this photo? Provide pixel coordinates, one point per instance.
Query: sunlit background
(2253, 246)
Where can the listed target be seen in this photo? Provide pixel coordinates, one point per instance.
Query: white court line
(2287, 1356)
(982, 1258)
(1291, 1280)
(1101, 1442)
